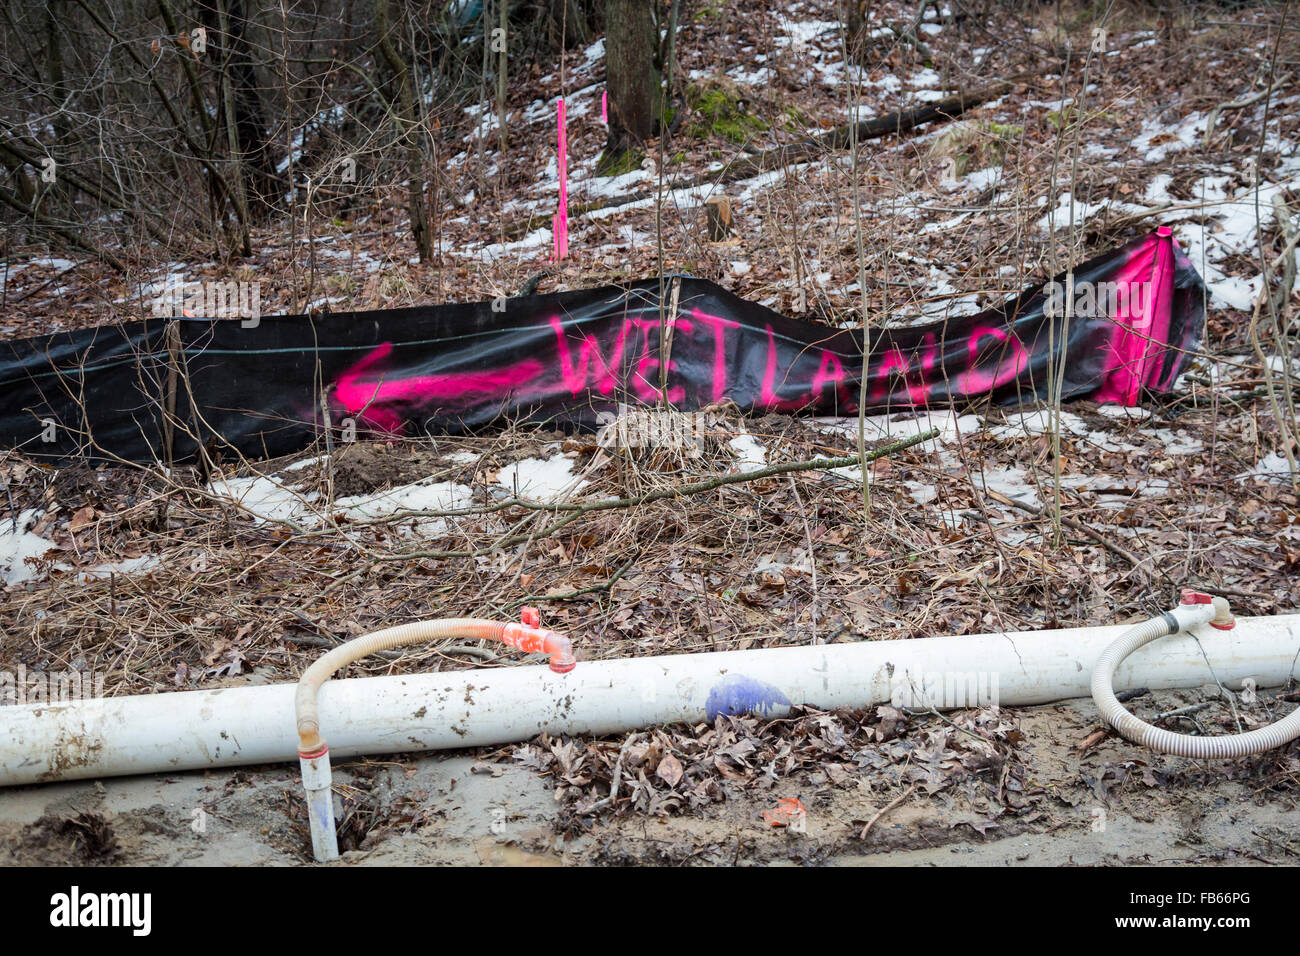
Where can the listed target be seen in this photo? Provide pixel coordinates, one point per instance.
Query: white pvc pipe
(246, 725)
(320, 805)
(313, 752)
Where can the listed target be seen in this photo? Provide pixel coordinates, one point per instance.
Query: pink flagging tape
(604, 107)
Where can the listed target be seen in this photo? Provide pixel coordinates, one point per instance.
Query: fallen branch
(1291, 238)
(1238, 104)
(578, 510)
(885, 809)
(615, 780)
(1073, 525)
(49, 282)
(570, 595)
(29, 154)
(68, 235)
(1184, 711)
(1281, 846)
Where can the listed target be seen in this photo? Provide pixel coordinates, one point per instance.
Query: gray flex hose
(1196, 609)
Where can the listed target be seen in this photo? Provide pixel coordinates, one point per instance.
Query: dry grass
(766, 563)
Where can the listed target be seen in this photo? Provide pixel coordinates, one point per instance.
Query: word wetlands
(209, 300)
(76, 909)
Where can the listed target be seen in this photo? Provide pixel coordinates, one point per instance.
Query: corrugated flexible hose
(1196, 609)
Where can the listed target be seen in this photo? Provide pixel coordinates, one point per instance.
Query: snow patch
(543, 479)
(420, 496)
(265, 498)
(749, 451)
(1037, 422)
(1178, 443)
(1272, 467)
(145, 562)
(18, 544)
(1012, 483)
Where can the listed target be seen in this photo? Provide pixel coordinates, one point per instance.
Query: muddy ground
(1081, 802)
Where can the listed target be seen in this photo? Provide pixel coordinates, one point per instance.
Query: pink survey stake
(560, 223)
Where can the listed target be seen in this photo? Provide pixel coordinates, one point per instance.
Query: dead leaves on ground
(681, 769)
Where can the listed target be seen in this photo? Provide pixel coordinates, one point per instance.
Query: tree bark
(420, 230)
(255, 143)
(631, 42)
(238, 177)
(717, 210)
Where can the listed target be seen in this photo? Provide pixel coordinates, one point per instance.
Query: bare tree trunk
(240, 103)
(237, 179)
(503, 25)
(565, 23)
(420, 231)
(854, 13)
(54, 51)
(631, 42)
(255, 144)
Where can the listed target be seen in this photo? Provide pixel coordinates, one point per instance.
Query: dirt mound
(363, 468)
(58, 840)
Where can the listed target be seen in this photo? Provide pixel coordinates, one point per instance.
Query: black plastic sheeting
(1135, 314)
